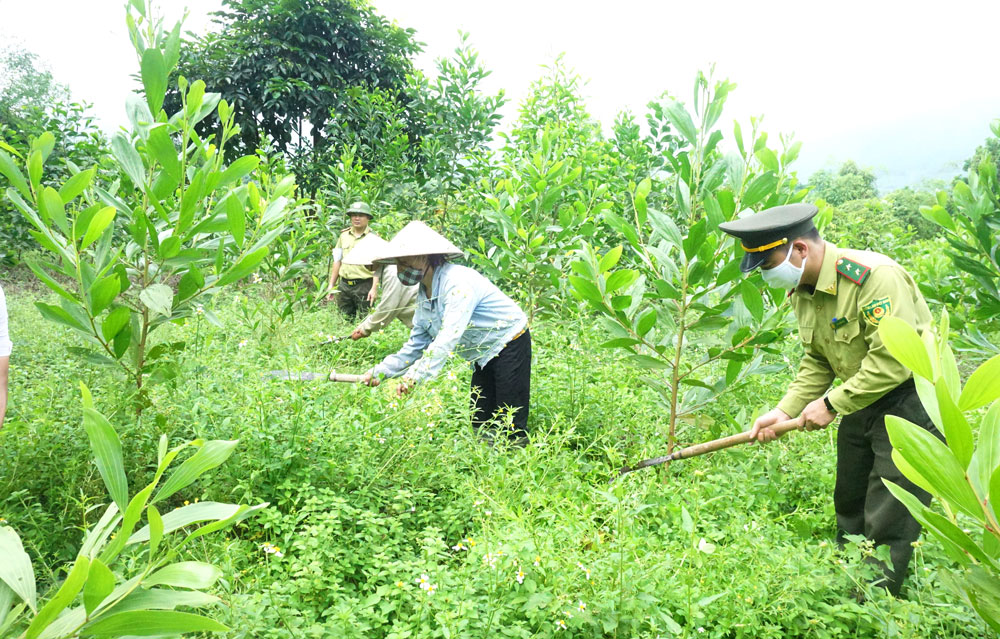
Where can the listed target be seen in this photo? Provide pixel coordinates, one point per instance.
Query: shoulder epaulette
(345, 230)
(854, 271)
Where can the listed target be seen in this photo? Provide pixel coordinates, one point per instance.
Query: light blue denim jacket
(468, 316)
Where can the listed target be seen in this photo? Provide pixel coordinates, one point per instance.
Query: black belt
(353, 282)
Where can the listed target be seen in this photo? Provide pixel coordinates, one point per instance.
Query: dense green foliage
(32, 103)
(369, 494)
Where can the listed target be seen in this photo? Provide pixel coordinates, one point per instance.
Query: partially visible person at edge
(839, 297)
(460, 312)
(395, 301)
(358, 286)
(5, 348)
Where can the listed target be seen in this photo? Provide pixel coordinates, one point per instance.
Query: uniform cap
(366, 251)
(360, 207)
(417, 238)
(769, 229)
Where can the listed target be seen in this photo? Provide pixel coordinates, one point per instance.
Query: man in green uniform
(839, 297)
(358, 285)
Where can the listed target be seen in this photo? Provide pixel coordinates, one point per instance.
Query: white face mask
(785, 275)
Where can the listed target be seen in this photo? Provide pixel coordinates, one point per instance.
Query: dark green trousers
(864, 457)
(352, 300)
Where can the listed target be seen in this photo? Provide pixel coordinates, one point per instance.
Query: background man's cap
(415, 239)
(360, 207)
(769, 229)
(366, 251)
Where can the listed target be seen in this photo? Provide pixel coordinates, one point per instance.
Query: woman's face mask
(409, 276)
(785, 275)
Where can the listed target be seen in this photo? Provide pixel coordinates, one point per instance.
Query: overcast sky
(907, 88)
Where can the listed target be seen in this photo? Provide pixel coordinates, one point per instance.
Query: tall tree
(285, 65)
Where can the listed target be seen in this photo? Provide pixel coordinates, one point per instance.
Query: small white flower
(452, 376)
(431, 589)
(520, 576)
(200, 310)
(700, 629)
(243, 343)
(424, 582)
(581, 606)
(561, 624)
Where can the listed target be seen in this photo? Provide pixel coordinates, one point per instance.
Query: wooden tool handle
(346, 377)
(707, 447)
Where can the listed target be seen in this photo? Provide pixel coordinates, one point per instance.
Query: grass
(369, 494)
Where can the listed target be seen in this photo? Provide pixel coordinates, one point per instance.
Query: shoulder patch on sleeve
(854, 271)
(875, 310)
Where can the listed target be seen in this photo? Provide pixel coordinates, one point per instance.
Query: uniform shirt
(468, 316)
(5, 345)
(394, 301)
(838, 325)
(345, 243)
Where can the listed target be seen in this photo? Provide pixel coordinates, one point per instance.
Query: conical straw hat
(364, 252)
(417, 238)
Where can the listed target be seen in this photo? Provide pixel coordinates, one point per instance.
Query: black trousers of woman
(504, 383)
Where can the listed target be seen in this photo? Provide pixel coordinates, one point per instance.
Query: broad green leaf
(237, 218)
(51, 206)
(76, 185)
(195, 575)
(170, 247)
(244, 267)
(107, 454)
(983, 590)
(643, 188)
(610, 259)
(695, 237)
(163, 150)
(103, 292)
(9, 170)
(50, 281)
(187, 515)
(620, 279)
(35, 169)
(210, 455)
(986, 459)
(215, 526)
(60, 316)
(903, 343)
(752, 299)
(681, 120)
(155, 529)
(44, 144)
(665, 226)
(128, 158)
(940, 527)
(935, 463)
(150, 623)
(63, 597)
(957, 432)
(761, 187)
(620, 342)
(982, 387)
(949, 371)
(939, 215)
(115, 321)
(15, 569)
(646, 361)
(163, 599)
(100, 583)
(768, 159)
(158, 298)
(646, 321)
(586, 289)
(154, 78)
(238, 169)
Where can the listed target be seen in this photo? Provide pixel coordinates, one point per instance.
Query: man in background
(358, 286)
(395, 301)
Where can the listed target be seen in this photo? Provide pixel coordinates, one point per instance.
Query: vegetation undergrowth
(388, 518)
